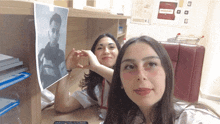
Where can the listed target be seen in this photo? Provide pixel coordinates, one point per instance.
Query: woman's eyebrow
(103, 44)
(150, 57)
(100, 44)
(128, 60)
(144, 59)
(111, 44)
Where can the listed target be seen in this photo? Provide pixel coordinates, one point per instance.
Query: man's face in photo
(54, 33)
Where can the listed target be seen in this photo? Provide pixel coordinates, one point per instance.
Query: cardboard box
(91, 3)
(64, 3)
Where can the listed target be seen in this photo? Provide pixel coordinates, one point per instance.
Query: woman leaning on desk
(142, 89)
(96, 84)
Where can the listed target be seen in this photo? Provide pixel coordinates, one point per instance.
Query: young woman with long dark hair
(142, 89)
(102, 58)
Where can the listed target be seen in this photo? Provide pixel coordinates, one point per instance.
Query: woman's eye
(152, 64)
(99, 48)
(129, 67)
(112, 47)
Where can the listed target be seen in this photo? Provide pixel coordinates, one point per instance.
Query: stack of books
(11, 71)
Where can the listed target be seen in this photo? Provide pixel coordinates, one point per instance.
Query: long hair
(92, 79)
(121, 109)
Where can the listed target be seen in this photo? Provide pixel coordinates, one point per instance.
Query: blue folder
(7, 104)
(13, 80)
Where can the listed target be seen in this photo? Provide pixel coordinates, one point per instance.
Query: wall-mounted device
(171, 12)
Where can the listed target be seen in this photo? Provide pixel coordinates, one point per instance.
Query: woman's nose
(141, 74)
(106, 50)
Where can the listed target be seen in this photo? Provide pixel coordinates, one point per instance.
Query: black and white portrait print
(50, 29)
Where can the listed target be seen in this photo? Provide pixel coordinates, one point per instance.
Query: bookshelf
(17, 38)
(9, 112)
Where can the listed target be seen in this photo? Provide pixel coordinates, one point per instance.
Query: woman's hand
(93, 61)
(72, 60)
(75, 60)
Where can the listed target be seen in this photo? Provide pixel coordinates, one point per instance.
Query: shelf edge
(27, 8)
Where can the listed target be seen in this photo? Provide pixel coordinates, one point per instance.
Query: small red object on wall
(167, 10)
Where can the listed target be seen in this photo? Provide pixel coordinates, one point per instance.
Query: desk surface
(49, 115)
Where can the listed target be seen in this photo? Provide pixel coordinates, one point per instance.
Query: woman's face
(142, 75)
(106, 52)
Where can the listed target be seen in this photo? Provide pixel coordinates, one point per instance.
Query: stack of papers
(10, 66)
(6, 82)
(7, 104)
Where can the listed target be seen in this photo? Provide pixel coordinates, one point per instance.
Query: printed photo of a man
(50, 57)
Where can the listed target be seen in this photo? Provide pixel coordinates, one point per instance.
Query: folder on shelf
(8, 66)
(12, 71)
(13, 79)
(7, 104)
(6, 59)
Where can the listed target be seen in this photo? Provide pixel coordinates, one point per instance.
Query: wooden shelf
(18, 32)
(27, 8)
(120, 35)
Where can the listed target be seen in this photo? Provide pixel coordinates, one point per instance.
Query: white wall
(204, 20)
(103, 4)
(123, 6)
(211, 75)
(197, 17)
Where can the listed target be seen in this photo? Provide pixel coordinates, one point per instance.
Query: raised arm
(63, 101)
(95, 66)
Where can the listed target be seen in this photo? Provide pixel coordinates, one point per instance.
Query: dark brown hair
(119, 104)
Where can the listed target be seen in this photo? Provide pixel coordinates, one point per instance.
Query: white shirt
(189, 115)
(186, 115)
(101, 94)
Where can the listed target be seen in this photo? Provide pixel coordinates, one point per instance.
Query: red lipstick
(142, 91)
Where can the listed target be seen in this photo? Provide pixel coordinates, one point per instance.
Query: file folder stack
(11, 71)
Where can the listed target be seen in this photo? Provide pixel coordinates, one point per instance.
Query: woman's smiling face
(142, 75)
(106, 52)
